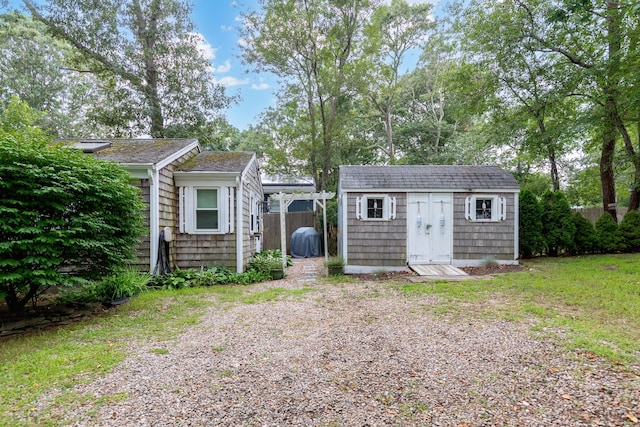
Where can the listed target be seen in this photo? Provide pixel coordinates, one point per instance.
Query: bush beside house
(65, 218)
(531, 239)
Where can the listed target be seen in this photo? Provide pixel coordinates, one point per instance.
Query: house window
(380, 207)
(206, 210)
(485, 208)
(207, 217)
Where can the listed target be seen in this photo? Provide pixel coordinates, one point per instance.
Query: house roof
(437, 177)
(133, 151)
(218, 161)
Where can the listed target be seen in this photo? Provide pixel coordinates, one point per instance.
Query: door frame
(438, 206)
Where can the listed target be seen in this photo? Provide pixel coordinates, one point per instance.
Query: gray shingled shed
(390, 217)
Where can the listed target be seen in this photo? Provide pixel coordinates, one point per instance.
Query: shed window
(485, 208)
(376, 207)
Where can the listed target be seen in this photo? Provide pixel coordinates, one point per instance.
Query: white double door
(429, 228)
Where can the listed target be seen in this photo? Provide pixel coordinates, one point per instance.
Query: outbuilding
(392, 217)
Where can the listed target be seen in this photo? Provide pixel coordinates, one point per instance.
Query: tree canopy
(155, 77)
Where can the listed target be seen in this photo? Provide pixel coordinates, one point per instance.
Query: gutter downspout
(154, 216)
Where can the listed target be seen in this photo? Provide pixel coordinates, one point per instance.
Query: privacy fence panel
(271, 230)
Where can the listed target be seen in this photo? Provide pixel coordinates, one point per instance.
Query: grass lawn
(593, 300)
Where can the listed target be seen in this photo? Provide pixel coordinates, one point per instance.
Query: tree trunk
(606, 167)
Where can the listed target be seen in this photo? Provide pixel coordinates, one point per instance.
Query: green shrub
(585, 239)
(630, 230)
(558, 227)
(211, 276)
(531, 239)
(121, 285)
(65, 218)
(609, 237)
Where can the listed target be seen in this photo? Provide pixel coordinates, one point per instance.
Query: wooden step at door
(436, 270)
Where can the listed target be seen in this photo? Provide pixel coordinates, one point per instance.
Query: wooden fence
(271, 227)
(592, 214)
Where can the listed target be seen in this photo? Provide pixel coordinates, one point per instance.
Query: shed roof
(218, 161)
(437, 177)
(135, 151)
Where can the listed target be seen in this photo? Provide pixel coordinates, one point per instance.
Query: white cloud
(260, 86)
(224, 68)
(226, 28)
(208, 51)
(232, 81)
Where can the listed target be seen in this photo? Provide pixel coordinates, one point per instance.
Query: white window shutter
(503, 208)
(359, 207)
(392, 210)
(230, 199)
(468, 210)
(182, 209)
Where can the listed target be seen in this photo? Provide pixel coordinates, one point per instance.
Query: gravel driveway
(359, 354)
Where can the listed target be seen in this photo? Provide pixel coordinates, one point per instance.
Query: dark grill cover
(305, 243)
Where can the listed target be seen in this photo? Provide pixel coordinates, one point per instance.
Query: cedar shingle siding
(153, 164)
(375, 243)
(479, 240)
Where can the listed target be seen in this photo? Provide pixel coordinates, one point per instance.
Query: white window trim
(254, 213)
(187, 209)
(388, 207)
(498, 210)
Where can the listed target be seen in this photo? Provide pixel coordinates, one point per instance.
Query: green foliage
(334, 261)
(531, 238)
(630, 230)
(585, 239)
(121, 285)
(64, 217)
(154, 78)
(269, 263)
(189, 278)
(609, 237)
(41, 70)
(558, 227)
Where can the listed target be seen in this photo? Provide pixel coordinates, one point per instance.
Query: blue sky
(218, 22)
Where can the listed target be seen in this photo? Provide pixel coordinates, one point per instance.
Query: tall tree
(148, 52)
(593, 37)
(38, 69)
(394, 31)
(532, 89)
(314, 45)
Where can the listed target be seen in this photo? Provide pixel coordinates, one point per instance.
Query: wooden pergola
(285, 200)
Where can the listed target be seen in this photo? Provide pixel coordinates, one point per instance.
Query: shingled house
(390, 217)
(207, 201)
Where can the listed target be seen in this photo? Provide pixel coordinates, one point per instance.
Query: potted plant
(335, 265)
(274, 266)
